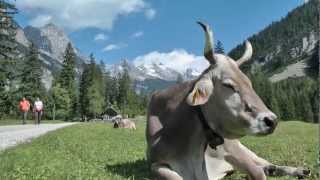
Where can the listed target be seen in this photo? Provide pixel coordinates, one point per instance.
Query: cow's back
(127, 123)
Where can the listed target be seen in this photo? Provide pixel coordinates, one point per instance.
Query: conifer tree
(113, 89)
(313, 64)
(95, 100)
(109, 89)
(124, 87)
(306, 108)
(8, 45)
(83, 95)
(61, 102)
(31, 85)
(219, 48)
(91, 91)
(96, 91)
(67, 78)
(8, 53)
(274, 106)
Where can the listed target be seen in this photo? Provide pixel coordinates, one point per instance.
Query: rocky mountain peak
(49, 38)
(21, 38)
(57, 38)
(34, 35)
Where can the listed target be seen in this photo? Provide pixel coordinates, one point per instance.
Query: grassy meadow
(97, 151)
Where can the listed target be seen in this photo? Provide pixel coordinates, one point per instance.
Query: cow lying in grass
(192, 128)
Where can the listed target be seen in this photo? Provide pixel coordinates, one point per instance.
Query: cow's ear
(200, 93)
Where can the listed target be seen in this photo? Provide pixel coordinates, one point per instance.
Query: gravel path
(15, 134)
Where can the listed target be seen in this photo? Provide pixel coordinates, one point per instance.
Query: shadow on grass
(130, 170)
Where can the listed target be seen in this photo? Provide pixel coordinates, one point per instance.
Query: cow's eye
(248, 108)
(230, 86)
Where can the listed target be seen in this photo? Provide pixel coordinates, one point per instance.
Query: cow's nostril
(269, 122)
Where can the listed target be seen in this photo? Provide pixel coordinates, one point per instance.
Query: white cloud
(77, 14)
(41, 20)
(178, 59)
(100, 37)
(137, 34)
(112, 47)
(150, 13)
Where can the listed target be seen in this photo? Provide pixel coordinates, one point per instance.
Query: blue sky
(114, 30)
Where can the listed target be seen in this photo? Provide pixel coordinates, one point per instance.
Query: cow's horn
(208, 49)
(247, 54)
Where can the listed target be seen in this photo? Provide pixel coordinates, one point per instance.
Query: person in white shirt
(38, 109)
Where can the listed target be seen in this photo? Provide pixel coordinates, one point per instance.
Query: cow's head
(228, 101)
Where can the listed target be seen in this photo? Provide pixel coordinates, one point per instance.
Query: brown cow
(124, 123)
(216, 109)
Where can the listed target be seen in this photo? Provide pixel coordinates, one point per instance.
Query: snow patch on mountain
(179, 60)
(168, 66)
(165, 66)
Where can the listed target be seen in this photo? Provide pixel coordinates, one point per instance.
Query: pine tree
(84, 84)
(219, 48)
(113, 89)
(102, 66)
(124, 87)
(8, 45)
(109, 89)
(91, 91)
(61, 102)
(96, 91)
(67, 78)
(31, 85)
(3, 95)
(274, 106)
(307, 108)
(95, 100)
(133, 104)
(100, 71)
(8, 53)
(313, 64)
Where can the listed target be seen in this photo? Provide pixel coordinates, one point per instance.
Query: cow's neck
(213, 138)
(190, 143)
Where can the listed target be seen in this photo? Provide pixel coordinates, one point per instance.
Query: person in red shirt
(24, 106)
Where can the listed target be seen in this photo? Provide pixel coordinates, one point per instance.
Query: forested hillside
(293, 39)
(287, 41)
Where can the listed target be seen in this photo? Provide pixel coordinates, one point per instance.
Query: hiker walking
(38, 109)
(24, 107)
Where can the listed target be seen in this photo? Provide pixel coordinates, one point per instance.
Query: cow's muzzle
(270, 122)
(266, 123)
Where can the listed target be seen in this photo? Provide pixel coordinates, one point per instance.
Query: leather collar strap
(213, 138)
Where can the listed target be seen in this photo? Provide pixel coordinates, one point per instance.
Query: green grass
(97, 151)
(5, 122)
(293, 144)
